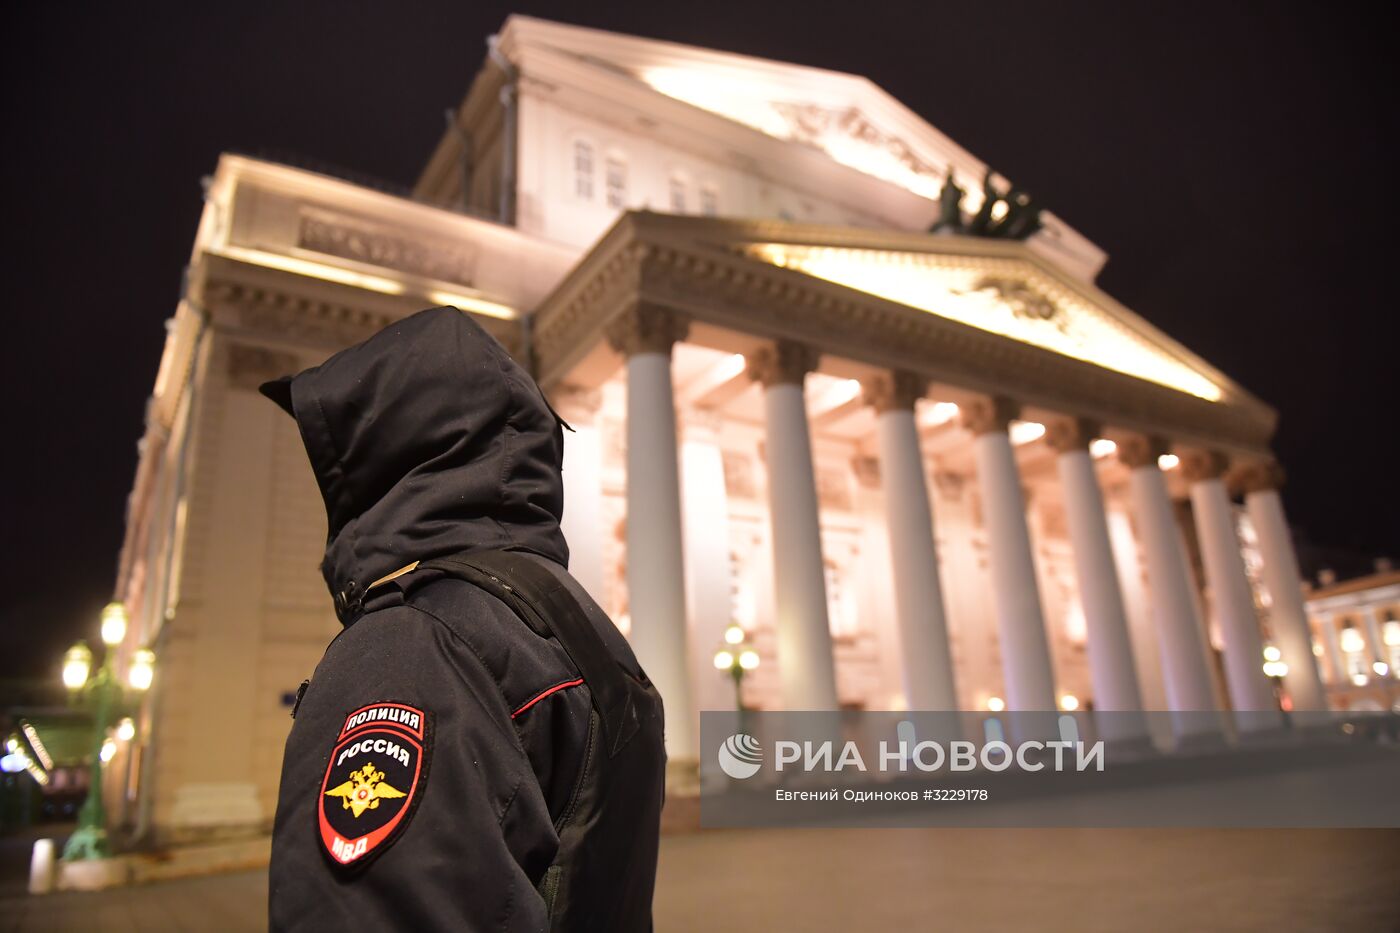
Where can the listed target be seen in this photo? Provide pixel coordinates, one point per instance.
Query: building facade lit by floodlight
(918, 470)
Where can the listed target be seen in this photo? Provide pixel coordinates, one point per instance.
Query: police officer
(478, 748)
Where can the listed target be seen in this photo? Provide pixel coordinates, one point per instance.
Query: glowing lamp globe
(113, 624)
(143, 669)
(77, 663)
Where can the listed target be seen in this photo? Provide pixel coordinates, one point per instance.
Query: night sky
(1233, 161)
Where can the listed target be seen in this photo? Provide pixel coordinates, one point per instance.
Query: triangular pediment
(996, 286)
(1011, 297)
(972, 315)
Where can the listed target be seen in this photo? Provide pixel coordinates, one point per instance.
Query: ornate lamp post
(106, 696)
(737, 657)
(1276, 669)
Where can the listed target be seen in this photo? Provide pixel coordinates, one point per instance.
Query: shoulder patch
(373, 781)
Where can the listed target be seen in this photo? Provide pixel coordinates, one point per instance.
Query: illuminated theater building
(930, 470)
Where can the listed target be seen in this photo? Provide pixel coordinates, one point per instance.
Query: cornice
(279, 308)
(601, 287)
(972, 252)
(751, 296)
(676, 263)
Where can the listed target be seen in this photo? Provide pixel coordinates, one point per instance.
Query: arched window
(583, 169)
(616, 181)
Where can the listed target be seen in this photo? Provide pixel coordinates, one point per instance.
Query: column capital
(1140, 450)
(646, 328)
(1199, 464)
(897, 390)
(785, 363)
(1069, 434)
(986, 414)
(1256, 476)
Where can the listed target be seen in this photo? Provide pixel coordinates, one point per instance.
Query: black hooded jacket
(444, 747)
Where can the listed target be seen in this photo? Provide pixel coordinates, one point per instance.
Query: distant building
(1356, 632)
(788, 395)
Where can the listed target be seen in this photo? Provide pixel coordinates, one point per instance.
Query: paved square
(905, 879)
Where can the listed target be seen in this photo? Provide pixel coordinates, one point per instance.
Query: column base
(1131, 748)
(1193, 742)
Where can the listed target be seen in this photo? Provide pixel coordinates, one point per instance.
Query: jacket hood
(427, 439)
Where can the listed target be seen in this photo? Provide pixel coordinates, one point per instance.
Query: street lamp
(105, 694)
(1275, 668)
(737, 657)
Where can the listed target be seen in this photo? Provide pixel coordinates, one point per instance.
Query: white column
(806, 663)
(1231, 597)
(655, 566)
(874, 574)
(583, 488)
(707, 572)
(1025, 650)
(924, 653)
(1174, 613)
(967, 589)
(1372, 626)
(1147, 649)
(1111, 667)
(1288, 615)
(1334, 650)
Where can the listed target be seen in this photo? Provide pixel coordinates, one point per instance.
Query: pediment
(1010, 297)
(970, 314)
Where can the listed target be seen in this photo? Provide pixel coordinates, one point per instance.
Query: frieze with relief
(816, 125)
(348, 239)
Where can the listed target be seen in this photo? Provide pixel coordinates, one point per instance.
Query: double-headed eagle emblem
(364, 790)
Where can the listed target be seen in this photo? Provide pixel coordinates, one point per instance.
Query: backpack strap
(545, 604)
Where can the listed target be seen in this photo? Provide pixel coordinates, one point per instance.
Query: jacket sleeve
(474, 834)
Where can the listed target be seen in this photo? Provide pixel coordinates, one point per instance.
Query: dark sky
(1233, 160)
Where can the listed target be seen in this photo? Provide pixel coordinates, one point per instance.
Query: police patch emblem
(373, 780)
